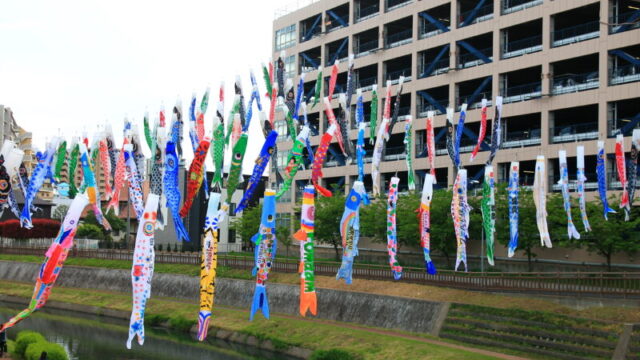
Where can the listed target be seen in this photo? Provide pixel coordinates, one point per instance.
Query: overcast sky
(70, 65)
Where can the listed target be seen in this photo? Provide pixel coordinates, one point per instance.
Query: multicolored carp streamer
(483, 130)
(171, 190)
(208, 266)
(540, 201)
(142, 269)
(350, 230)
(266, 75)
(386, 110)
(513, 192)
(156, 176)
(581, 179)
(431, 145)
(602, 180)
(424, 216)
(61, 157)
(35, 183)
(373, 116)
(308, 300)
(459, 131)
(53, 262)
(272, 109)
(280, 71)
(332, 79)
(265, 253)
(118, 180)
(258, 170)
(488, 207)
(377, 157)
(564, 185)
(91, 187)
(317, 92)
(331, 120)
(622, 171)
(235, 174)
(113, 155)
(632, 171)
(318, 161)
(293, 161)
(147, 131)
(135, 186)
(392, 239)
(105, 165)
(73, 163)
(360, 151)
(451, 148)
(138, 155)
(460, 215)
(396, 107)
(408, 148)
(218, 151)
(177, 125)
(496, 131)
(194, 181)
(344, 121)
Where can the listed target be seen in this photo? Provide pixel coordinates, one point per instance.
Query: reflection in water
(102, 338)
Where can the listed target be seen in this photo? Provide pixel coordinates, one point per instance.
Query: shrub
(54, 351)
(333, 354)
(89, 231)
(24, 339)
(42, 228)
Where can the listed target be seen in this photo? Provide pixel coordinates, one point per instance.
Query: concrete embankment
(362, 308)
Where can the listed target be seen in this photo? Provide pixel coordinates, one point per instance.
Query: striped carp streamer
(373, 117)
(318, 161)
(172, 191)
(377, 157)
(156, 176)
(196, 135)
(218, 144)
(135, 186)
(496, 131)
(632, 171)
(293, 161)
(177, 125)
(564, 185)
(392, 239)
(35, 183)
(483, 130)
(61, 157)
(459, 131)
(73, 164)
(91, 187)
(195, 177)
(602, 180)
(451, 147)
(331, 120)
(424, 216)
(208, 266)
(308, 300)
(386, 110)
(360, 151)
(540, 201)
(396, 107)
(111, 147)
(332, 79)
(581, 179)
(235, 174)
(53, 262)
(105, 165)
(118, 180)
(408, 146)
(267, 76)
(488, 207)
(431, 145)
(258, 170)
(265, 253)
(350, 230)
(317, 92)
(460, 215)
(513, 192)
(622, 171)
(343, 121)
(298, 102)
(142, 269)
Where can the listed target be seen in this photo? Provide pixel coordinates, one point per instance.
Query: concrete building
(569, 72)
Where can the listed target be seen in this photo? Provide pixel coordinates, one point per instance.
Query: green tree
(60, 212)
(373, 222)
(327, 220)
(247, 225)
(443, 238)
(284, 237)
(89, 231)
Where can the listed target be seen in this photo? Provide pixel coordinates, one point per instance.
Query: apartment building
(569, 73)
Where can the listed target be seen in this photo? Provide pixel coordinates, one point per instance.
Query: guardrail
(588, 284)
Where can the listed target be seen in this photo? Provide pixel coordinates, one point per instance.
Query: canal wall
(361, 308)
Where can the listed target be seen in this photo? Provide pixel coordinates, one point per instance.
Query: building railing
(522, 92)
(364, 48)
(468, 60)
(478, 103)
(510, 6)
(590, 184)
(366, 84)
(574, 132)
(306, 37)
(441, 67)
(522, 47)
(577, 33)
(574, 82)
(620, 20)
(333, 24)
(427, 29)
(514, 139)
(615, 125)
(624, 74)
(342, 55)
(362, 14)
(484, 13)
(308, 66)
(395, 75)
(398, 39)
(394, 153)
(426, 107)
(395, 4)
(567, 284)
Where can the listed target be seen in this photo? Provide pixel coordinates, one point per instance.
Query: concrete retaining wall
(361, 308)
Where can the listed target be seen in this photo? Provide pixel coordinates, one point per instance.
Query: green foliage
(333, 354)
(284, 237)
(327, 220)
(60, 212)
(181, 324)
(90, 231)
(443, 237)
(371, 223)
(54, 351)
(25, 338)
(247, 225)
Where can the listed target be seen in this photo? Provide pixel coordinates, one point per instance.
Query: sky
(71, 66)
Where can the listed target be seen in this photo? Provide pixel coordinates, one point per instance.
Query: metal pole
(482, 249)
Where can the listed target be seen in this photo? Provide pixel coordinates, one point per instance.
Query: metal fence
(582, 284)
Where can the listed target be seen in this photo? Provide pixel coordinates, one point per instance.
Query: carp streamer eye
(237, 156)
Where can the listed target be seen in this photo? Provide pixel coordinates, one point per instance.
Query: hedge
(54, 351)
(26, 338)
(42, 228)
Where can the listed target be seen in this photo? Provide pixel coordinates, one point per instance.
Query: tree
(248, 224)
(60, 212)
(373, 222)
(443, 238)
(283, 234)
(327, 220)
(89, 231)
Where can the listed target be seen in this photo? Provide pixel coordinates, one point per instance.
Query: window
(283, 220)
(232, 209)
(232, 236)
(286, 37)
(282, 129)
(290, 66)
(282, 159)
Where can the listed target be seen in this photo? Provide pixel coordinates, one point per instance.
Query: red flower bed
(42, 228)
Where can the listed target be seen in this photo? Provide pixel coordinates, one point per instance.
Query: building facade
(568, 71)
